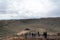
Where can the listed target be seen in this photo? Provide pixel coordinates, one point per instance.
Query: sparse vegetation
(10, 27)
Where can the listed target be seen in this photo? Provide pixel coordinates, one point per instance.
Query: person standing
(45, 34)
(38, 34)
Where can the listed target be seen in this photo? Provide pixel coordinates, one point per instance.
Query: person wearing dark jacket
(45, 34)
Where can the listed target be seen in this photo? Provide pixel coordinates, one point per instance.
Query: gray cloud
(21, 9)
(56, 11)
(3, 6)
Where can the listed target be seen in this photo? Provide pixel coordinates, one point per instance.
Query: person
(33, 34)
(38, 34)
(45, 34)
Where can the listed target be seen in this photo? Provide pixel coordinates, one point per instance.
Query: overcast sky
(25, 9)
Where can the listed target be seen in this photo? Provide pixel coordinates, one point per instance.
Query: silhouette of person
(33, 35)
(45, 34)
(38, 34)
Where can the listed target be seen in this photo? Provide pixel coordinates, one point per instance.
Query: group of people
(36, 34)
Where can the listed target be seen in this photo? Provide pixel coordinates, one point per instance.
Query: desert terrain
(12, 27)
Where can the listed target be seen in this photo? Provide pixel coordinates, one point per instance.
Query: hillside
(9, 27)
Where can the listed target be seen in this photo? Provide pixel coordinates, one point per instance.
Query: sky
(27, 9)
